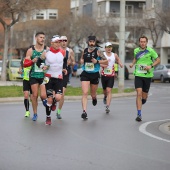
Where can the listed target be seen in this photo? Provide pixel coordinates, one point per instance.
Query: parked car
(162, 73)
(12, 69)
(0, 67)
(126, 73)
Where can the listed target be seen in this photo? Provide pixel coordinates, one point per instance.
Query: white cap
(55, 38)
(63, 37)
(108, 44)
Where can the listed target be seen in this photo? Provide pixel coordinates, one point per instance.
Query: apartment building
(22, 33)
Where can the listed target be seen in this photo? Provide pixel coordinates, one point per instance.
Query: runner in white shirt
(54, 73)
(108, 73)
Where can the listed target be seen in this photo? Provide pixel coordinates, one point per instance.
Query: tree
(10, 13)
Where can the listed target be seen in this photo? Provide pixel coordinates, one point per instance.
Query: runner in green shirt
(36, 73)
(145, 58)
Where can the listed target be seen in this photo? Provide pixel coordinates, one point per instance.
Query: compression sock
(143, 101)
(48, 109)
(26, 103)
(58, 111)
(139, 112)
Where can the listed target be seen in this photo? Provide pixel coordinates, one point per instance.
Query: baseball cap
(55, 38)
(108, 44)
(63, 37)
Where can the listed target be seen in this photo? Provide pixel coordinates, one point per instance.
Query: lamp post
(121, 46)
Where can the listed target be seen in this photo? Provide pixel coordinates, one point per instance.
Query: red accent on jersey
(27, 63)
(54, 50)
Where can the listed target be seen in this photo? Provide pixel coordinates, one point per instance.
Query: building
(23, 32)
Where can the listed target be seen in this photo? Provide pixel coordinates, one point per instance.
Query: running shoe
(104, 99)
(58, 116)
(139, 118)
(48, 121)
(107, 109)
(27, 114)
(84, 115)
(35, 116)
(94, 102)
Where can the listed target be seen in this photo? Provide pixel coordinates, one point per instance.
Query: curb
(19, 99)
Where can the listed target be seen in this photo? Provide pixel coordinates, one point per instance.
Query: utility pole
(121, 46)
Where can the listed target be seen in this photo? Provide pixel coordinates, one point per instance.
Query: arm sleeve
(27, 63)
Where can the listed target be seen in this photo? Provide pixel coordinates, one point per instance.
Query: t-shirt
(144, 58)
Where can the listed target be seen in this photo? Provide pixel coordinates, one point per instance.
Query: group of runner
(47, 68)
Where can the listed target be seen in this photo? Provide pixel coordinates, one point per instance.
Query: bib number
(37, 69)
(89, 67)
(107, 71)
(141, 69)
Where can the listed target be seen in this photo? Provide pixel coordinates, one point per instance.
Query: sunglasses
(64, 40)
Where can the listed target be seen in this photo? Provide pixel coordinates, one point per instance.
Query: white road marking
(142, 129)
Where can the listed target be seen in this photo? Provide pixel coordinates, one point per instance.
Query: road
(112, 141)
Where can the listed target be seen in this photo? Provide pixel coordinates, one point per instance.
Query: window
(40, 15)
(52, 14)
(46, 14)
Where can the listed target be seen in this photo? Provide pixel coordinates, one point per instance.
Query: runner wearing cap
(68, 61)
(91, 59)
(36, 74)
(108, 73)
(54, 73)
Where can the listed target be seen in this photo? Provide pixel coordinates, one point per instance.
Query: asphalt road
(112, 141)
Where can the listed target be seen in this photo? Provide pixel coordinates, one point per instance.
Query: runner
(145, 59)
(91, 59)
(26, 87)
(108, 73)
(36, 74)
(53, 77)
(68, 60)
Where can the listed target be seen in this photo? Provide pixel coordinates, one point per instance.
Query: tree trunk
(5, 53)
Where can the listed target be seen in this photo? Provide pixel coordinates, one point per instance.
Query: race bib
(89, 66)
(37, 69)
(108, 71)
(141, 68)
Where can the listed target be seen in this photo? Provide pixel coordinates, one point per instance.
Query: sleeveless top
(109, 70)
(88, 66)
(36, 72)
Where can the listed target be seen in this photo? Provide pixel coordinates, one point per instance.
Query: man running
(145, 59)
(91, 59)
(68, 61)
(26, 86)
(54, 74)
(108, 73)
(36, 74)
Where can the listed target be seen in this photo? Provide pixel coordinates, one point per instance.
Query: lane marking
(142, 129)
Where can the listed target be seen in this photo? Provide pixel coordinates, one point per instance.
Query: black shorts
(92, 77)
(142, 82)
(34, 80)
(107, 82)
(54, 84)
(65, 80)
(27, 86)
